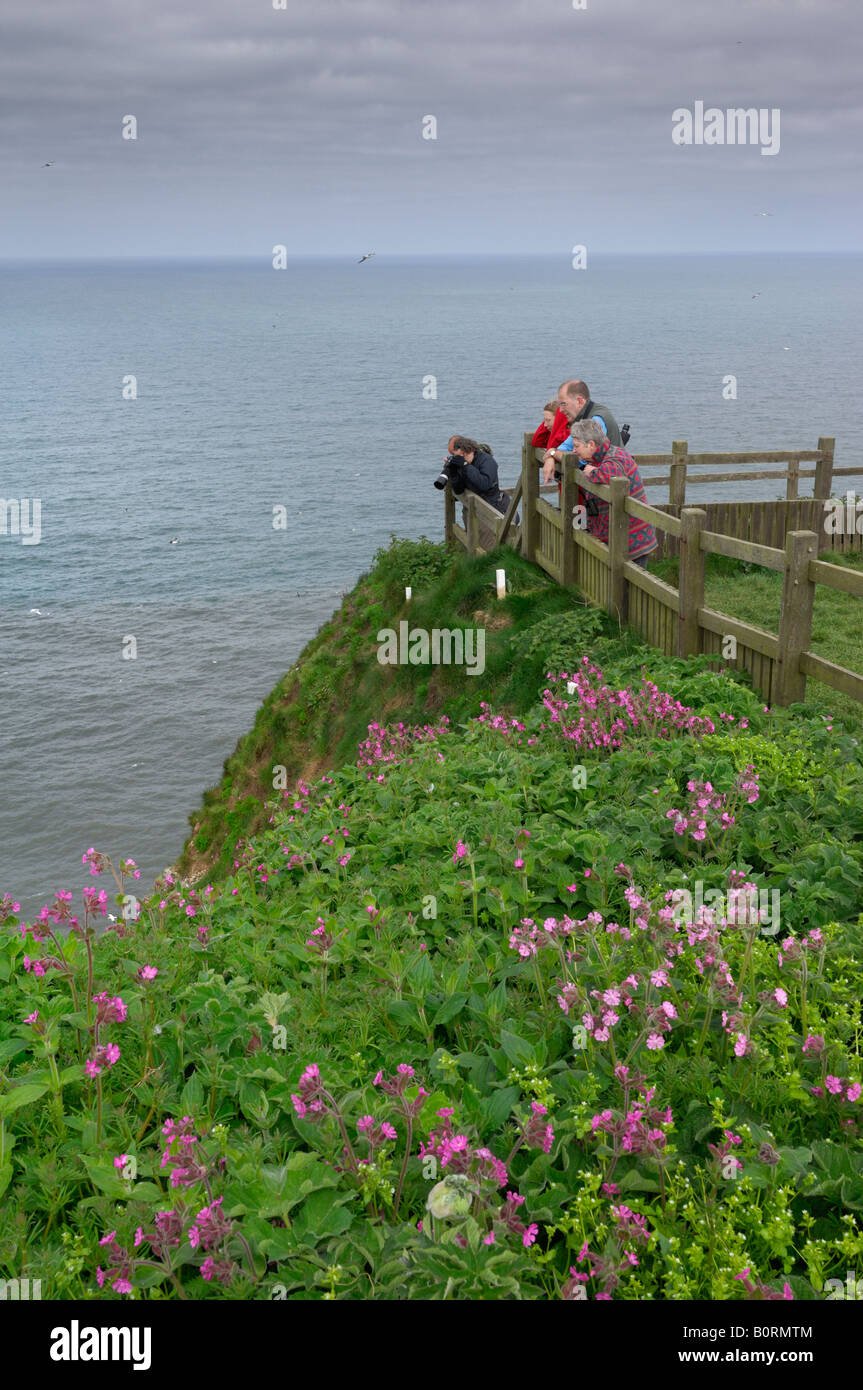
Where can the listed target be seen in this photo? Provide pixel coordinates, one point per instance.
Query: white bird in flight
(764, 214)
(366, 257)
(37, 612)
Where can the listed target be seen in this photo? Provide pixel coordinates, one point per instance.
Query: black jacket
(480, 477)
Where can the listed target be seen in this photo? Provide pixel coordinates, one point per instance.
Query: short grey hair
(587, 432)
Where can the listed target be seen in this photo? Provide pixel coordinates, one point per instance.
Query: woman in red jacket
(542, 432)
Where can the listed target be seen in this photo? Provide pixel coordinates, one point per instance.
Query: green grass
(318, 713)
(754, 595)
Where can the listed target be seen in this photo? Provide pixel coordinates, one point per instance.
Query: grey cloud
(248, 115)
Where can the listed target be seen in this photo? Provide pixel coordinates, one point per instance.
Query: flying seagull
(175, 541)
(366, 257)
(764, 214)
(757, 296)
(48, 165)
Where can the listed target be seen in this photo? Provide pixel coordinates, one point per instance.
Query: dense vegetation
(489, 1011)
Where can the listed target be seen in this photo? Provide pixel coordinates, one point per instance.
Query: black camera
(451, 469)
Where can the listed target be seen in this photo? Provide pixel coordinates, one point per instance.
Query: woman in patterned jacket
(601, 461)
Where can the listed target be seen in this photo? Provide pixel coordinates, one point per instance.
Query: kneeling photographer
(472, 467)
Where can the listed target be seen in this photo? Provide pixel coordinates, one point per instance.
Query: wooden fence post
(618, 547)
(472, 524)
(510, 513)
(690, 581)
(529, 498)
(795, 618)
(792, 480)
(824, 467)
(568, 547)
(677, 485)
(448, 515)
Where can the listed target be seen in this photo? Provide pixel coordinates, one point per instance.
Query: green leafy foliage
(438, 960)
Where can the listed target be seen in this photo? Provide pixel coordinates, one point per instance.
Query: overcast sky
(304, 126)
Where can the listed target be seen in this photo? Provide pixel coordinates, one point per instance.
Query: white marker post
(501, 583)
(407, 595)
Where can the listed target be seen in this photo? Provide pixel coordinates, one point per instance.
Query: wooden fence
(680, 461)
(763, 523)
(677, 620)
(766, 523)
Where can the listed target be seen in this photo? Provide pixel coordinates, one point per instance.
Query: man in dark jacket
(478, 474)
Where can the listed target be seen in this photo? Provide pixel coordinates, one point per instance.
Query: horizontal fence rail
(784, 536)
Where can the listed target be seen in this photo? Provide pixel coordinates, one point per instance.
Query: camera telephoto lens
(441, 481)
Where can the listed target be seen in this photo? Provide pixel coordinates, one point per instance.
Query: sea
(165, 414)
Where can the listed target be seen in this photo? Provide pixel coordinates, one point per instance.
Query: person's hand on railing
(548, 465)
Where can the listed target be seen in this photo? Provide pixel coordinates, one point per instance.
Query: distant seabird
(48, 165)
(757, 296)
(366, 257)
(39, 614)
(175, 541)
(764, 214)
